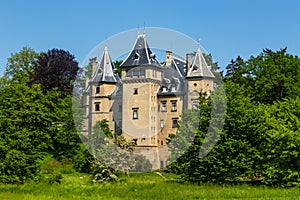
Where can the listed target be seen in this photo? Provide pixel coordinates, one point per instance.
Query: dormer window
(173, 89)
(195, 68)
(164, 89)
(136, 56)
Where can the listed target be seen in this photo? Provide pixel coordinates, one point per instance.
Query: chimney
(94, 66)
(188, 62)
(168, 58)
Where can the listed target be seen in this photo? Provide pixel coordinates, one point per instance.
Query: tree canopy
(55, 69)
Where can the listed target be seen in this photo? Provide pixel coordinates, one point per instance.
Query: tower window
(195, 84)
(97, 106)
(195, 104)
(163, 106)
(135, 91)
(174, 106)
(135, 141)
(97, 89)
(174, 122)
(135, 113)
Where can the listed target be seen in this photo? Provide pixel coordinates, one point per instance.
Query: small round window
(195, 84)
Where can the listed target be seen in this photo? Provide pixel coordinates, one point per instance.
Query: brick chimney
(168, 58)
(188, 62)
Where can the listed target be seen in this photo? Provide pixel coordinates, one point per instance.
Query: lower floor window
(97, 106)
(174, 122)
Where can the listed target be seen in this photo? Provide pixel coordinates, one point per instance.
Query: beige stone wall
(167, 117)
(104, 102)
(144, 128)
(196, 86)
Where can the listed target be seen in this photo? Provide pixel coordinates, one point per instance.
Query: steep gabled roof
(179, 65)
(199, 67)
(141, 54)
(105, 71)
(173, 80)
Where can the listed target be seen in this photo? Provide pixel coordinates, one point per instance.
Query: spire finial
(144, 28)
(198, 43)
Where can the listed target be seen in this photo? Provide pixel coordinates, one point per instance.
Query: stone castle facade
(146, 102)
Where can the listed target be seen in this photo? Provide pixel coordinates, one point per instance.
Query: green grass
(140, 186)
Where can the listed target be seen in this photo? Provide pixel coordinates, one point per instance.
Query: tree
(233, 69)
(269, 77)
(117, 64)
(28, 121)
(55, 69)
(19, 66)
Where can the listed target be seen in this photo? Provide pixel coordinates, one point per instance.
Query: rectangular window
(162, 123)
(135, 113)
(97, 106)
(174, 122)
(174, 106)
(135, 91)
(97, 89)
(161, 164)
(163, 106)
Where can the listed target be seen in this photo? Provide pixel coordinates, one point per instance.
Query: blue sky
(226, 28)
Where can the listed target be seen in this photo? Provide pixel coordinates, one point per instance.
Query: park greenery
(259, 143)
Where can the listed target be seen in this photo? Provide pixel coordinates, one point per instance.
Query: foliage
(268, 77)
(19, 66)
(117, 64)
(141, 164)
(259, 144)
(27, 120)
(55, 69)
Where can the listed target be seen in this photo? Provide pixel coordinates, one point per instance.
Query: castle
(146, 102)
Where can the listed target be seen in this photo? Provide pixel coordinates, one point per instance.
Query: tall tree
(55, 69)
(19, 66)
(28, 123)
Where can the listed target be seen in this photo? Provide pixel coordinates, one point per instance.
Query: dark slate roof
(141, 54)
(105, 71)
(172, 82)
(199, 67)
(179, 65)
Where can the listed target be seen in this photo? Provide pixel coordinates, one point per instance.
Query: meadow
(140, 186)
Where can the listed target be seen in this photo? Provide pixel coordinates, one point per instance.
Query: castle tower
(199, 79)
(99, 91)
(141, 77)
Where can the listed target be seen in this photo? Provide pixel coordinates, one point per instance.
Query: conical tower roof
(105, 71)
(141, 54)
(199, 67)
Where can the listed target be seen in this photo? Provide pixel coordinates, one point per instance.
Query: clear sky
(226, 28)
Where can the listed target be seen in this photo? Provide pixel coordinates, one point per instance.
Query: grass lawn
(140, 186)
